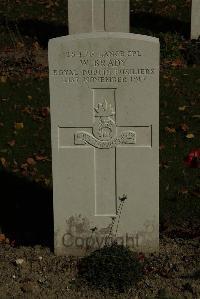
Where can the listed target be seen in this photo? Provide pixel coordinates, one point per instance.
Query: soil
(35, 272)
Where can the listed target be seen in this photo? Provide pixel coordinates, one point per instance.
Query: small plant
(113, 267)
(117, 218)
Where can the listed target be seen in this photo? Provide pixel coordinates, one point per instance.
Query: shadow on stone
(26, 211)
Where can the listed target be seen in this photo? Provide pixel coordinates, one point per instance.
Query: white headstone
(98, 15)
(104, 93)
(195, 19)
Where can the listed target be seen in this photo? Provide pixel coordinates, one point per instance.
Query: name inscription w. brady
(116, 66)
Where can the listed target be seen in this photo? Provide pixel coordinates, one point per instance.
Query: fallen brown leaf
(3, 79)
(20, 45)
(45, 111)
(24, 166)
(177, 62)
(36, 46)
(30, 161)
(184, 127)
(170, 130)
(162, 146)
(190, 136)
(2, 238)
(46, 181)
(195, 193)
(18, 126)
(27, 110)
(11, 142)
(182, 108)
(3, 161)
(40, 158)
(183, 191)
(164, 164)
(7, 241)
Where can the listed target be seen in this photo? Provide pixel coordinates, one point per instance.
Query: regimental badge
(104, 130)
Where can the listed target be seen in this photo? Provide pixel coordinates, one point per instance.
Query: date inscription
(104, 67)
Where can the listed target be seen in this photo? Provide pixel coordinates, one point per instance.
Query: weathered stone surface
(98, 15)
(195, 19)
(104, 90)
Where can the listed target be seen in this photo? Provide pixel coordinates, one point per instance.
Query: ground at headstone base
(35, 272)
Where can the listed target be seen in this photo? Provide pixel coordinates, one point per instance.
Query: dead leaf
(190, 136)
(170, 130)
(24, 173)
(7, 241)
(177, 62)
(166, 77)
(40, 158)
(27, 110)
(3, 161)
(37, 118)
(183, 191)
(15, 163)
(164, 164)
(18, 126)
(2, 238)
(29, 71)
(162, 146)
(46, 181)
(36, 46)
(20, 45)
(24, 166)
(184, 127)
(11, 142)
(3, 79)
(45, 111)
(182, 108)
(195, 193)
(30, 161)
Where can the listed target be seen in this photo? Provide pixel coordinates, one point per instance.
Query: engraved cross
(105, 137)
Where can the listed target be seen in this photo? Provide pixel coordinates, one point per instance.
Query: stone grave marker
(98, 15)
(104, 97)
(195, 19)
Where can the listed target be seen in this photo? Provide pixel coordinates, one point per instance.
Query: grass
(174, 9)
(41, 10)
(179, 90)
(23, 102)
(56, 11)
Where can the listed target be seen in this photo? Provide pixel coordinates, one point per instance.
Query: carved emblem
(104, 130)
(104, 127)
